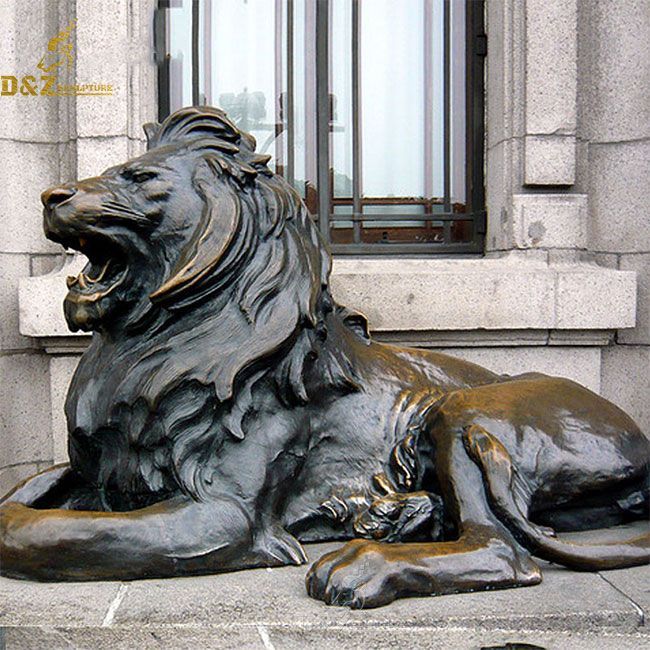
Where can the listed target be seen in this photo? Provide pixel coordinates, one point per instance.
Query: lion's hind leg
(508, 494)
(502, 485)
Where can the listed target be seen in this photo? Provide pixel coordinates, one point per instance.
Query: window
(372, 109)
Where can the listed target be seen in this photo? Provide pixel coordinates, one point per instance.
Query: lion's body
(228, 409)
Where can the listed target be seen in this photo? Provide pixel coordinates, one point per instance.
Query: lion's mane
(246, 309)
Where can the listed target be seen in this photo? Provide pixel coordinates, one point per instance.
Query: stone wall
(567, 168)
(614, 134)
(35, 151)
(569, 116)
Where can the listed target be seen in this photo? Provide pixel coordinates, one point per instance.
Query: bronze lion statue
(228, 409)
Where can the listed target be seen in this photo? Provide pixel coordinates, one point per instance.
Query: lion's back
(442, 371)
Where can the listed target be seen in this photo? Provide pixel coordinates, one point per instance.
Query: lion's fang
(101, 275)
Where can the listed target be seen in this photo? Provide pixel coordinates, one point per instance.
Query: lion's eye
(141, 176)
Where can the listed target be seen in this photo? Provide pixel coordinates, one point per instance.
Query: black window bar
(352, 222)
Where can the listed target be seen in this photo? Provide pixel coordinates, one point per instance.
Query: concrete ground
(269, 608)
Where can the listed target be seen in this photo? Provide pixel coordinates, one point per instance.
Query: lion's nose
(57, 195)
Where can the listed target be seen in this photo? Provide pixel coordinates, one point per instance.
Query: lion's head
(179, 223)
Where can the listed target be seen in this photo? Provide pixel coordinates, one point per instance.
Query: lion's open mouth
(105, 271)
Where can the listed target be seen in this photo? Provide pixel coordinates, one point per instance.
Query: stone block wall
(34, 150)
(569, 157)
(45, 141)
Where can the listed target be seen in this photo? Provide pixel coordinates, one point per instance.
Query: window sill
(509, 293)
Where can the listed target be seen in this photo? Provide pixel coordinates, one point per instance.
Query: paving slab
(565, 600)
(452, 639)
(191, 638)
(35, 604)
(635, 584)
(296, 638)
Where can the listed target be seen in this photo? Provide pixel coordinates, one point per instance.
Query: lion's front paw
(358, 575)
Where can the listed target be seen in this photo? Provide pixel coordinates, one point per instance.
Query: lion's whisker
(118, 207)
(113, 215)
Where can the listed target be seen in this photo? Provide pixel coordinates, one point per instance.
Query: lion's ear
(195, 270)
(151, 131)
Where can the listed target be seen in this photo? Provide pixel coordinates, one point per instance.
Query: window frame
(474, 213)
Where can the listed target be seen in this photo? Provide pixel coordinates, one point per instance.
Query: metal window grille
(311, 58)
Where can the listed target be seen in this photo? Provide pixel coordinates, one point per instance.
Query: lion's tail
(590, 557)
(501, 485)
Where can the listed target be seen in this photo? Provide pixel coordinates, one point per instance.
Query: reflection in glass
(392, 99)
